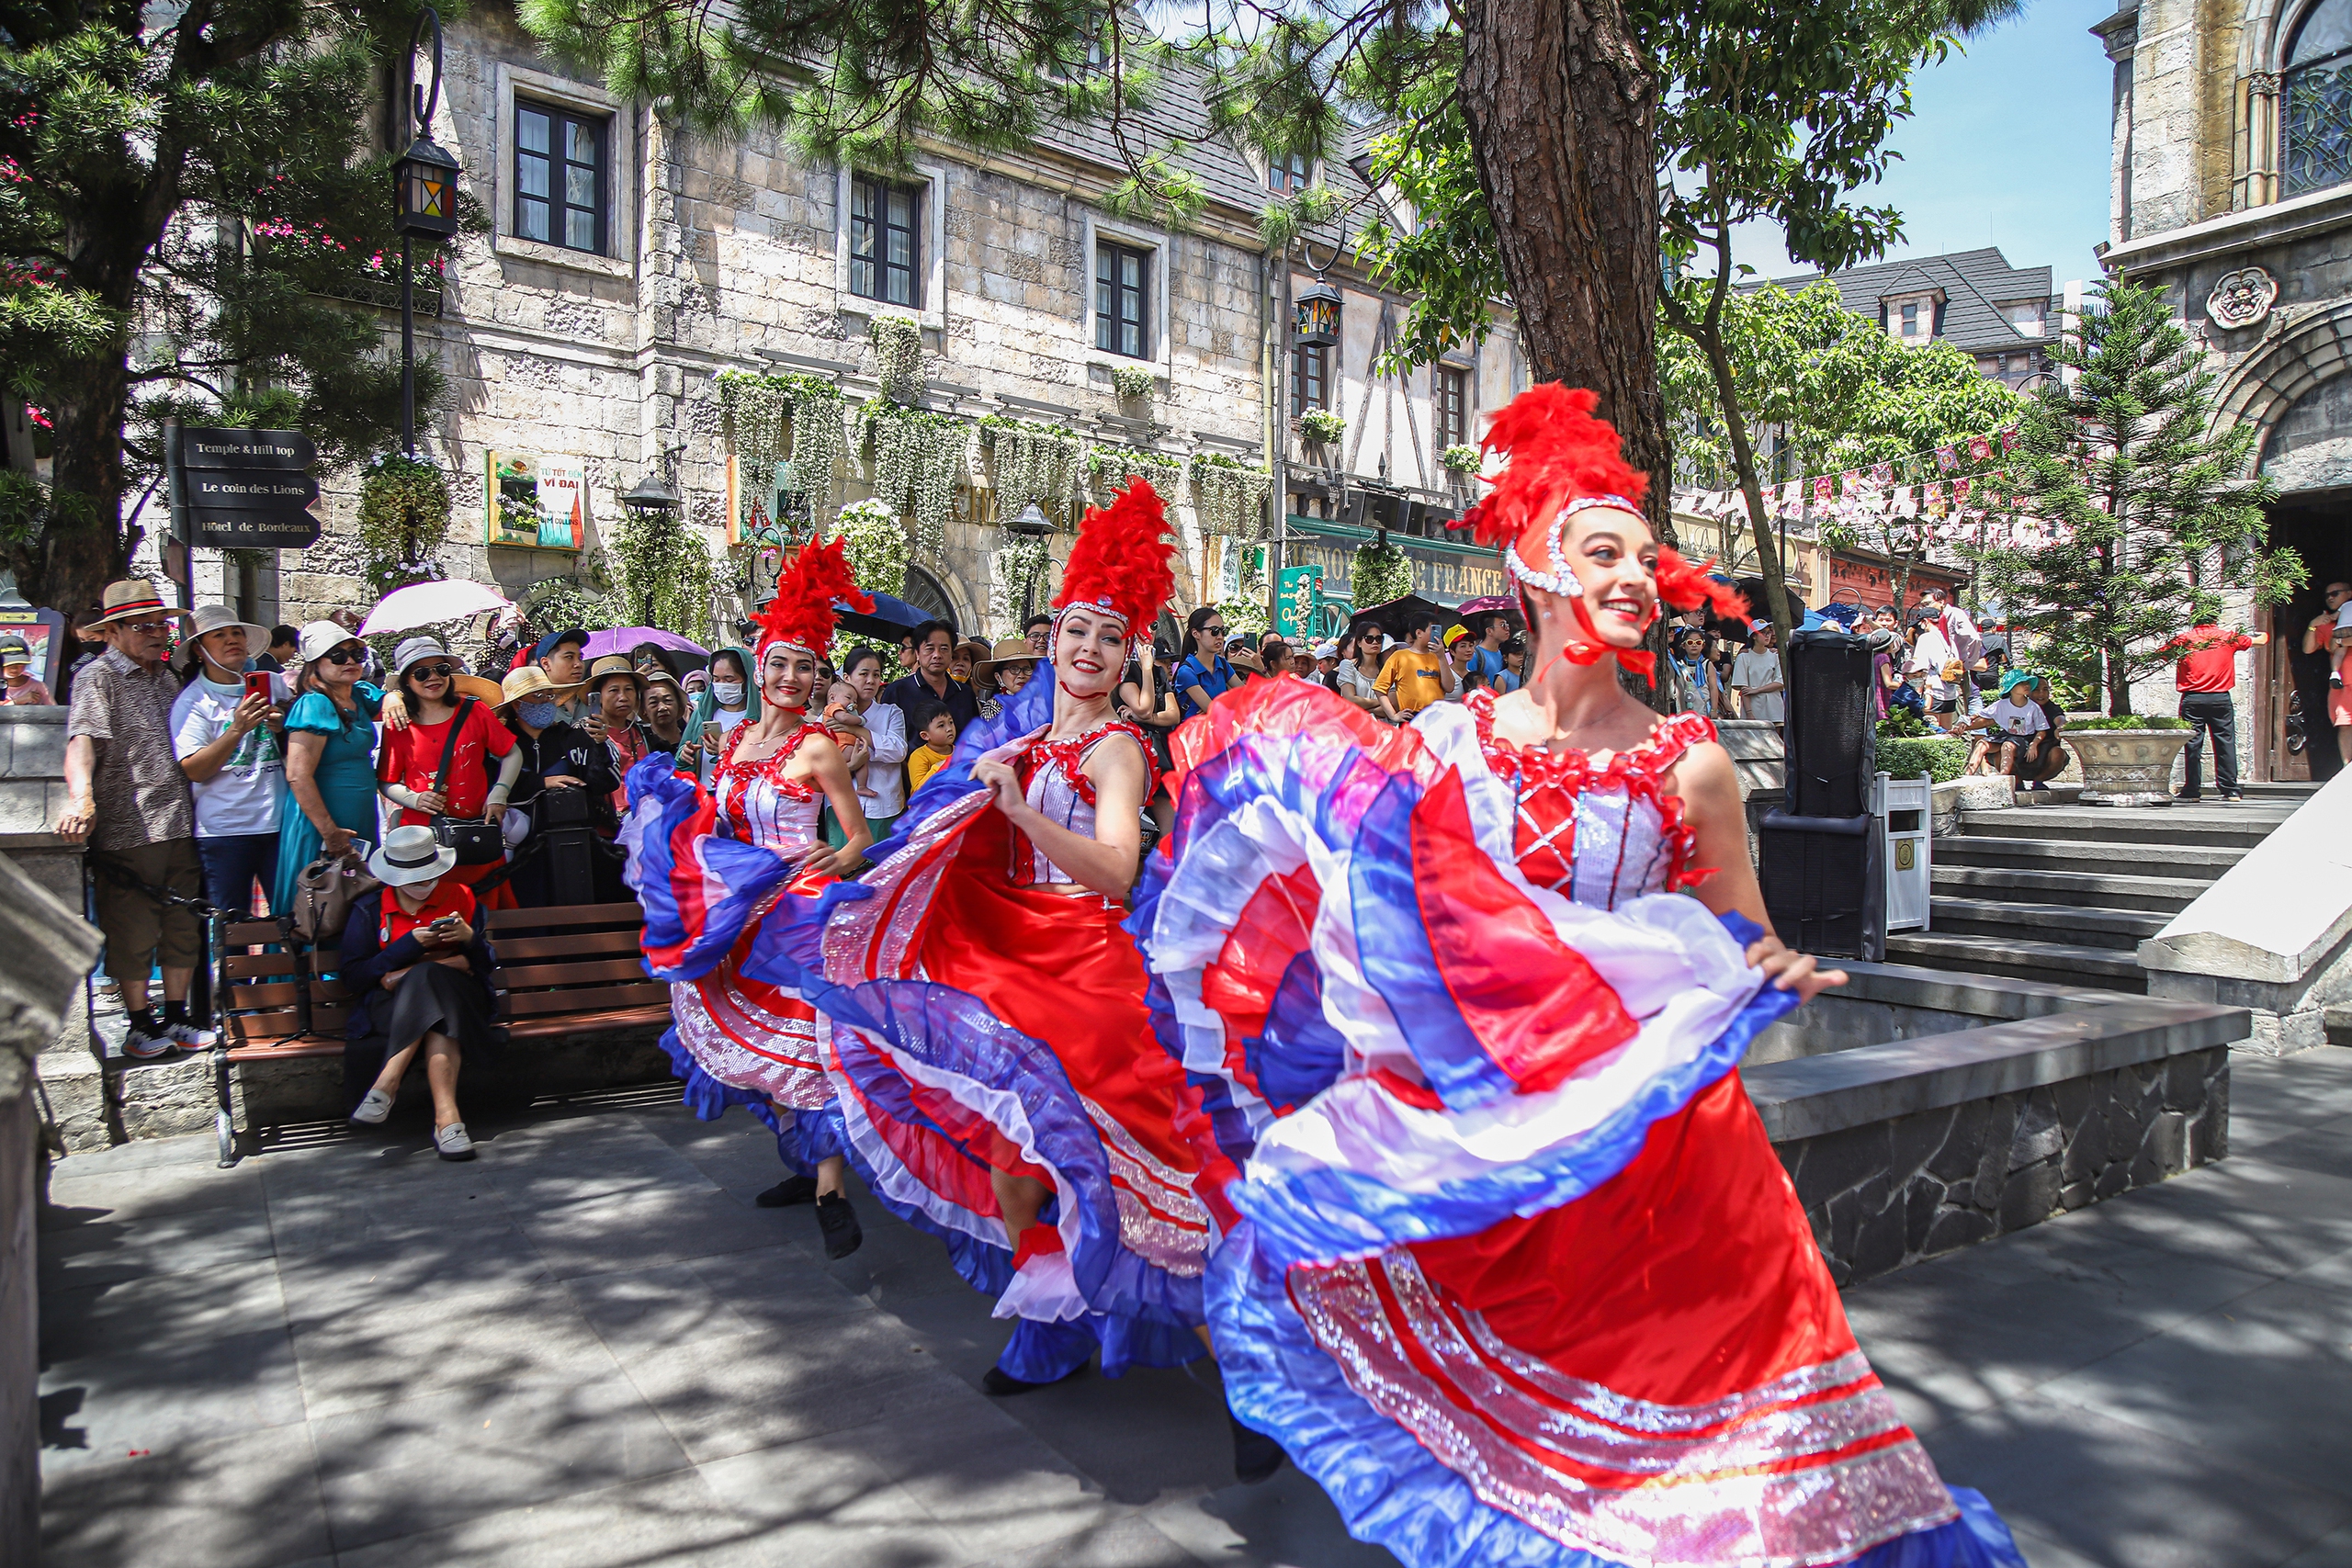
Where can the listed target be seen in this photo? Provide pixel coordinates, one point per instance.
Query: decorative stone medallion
(2242, 299)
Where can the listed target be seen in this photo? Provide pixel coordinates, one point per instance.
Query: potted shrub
(1321, 428)
(2127, 760)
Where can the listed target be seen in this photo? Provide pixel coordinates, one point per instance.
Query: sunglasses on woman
(434, 672)
(347, 656)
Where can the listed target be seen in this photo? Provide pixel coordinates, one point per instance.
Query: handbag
(477, 842)
(324, 892)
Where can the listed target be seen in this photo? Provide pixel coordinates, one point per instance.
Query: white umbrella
(430, 604)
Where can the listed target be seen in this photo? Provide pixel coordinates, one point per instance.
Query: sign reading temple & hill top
(241, 489)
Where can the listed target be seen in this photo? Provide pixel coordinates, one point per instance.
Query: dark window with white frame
(561, 184)
(1310, 381)
(886, 241)
(1453, 398)
(2316, 118)
(1123, 299)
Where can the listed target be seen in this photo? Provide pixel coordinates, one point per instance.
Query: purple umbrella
(621, 639)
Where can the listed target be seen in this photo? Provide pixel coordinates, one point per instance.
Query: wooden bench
(579, 970)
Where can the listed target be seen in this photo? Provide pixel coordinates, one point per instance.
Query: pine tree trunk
(1560, 106)
(83, 549)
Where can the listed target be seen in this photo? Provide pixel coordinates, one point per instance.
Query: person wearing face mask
(1488, 1136)
(724, 874)
(229, 746)
(330, 799)
(991, 1045)
(725, 701)
(558, 759)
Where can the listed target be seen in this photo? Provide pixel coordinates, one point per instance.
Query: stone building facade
(2232, 189)
(631, 264)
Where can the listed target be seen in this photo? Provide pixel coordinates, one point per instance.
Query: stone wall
(726, 254)
(1892, 1192)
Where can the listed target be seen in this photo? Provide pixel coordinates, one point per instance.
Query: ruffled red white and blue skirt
(734, 1039)
(1506, 1261)
(976, 1026)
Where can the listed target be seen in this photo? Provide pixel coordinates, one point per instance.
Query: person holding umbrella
(411, 771)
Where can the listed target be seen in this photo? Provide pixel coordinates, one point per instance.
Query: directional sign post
(241, 489)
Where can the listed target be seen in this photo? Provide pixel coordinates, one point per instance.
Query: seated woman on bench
(419, 938)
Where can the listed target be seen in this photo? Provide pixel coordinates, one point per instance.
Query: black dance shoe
(792, 1191)
(837, 1223)
(1256, 1456)
(1004, 1385)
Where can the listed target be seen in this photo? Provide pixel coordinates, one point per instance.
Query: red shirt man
(2210, 657)
(2206, 671)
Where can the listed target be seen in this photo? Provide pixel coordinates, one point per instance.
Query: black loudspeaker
(1823, 853)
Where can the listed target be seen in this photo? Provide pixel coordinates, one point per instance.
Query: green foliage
(1464, 458)
(1378, 575)
(1323, 425)
(1906, 757)
(666, 578)
(1109, 468)
(875, 540)
(914, 460)
(1902, 723)
(188, 207)
(1229, 498)
(898, 355)
(403, 518)
(2151, 514)
(756, 408)
(584, 599)
(1029, 463)
(2131, 721)
(1134, 380)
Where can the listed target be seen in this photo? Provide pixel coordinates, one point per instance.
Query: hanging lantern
(424, 184)
(1317, 312)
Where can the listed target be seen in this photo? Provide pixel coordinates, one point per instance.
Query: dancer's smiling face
(1088, 648)
(787, 675)
(1614, 557)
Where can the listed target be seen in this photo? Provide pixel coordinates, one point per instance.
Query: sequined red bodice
(1053, 781)
(757, 804)
(1601, 835)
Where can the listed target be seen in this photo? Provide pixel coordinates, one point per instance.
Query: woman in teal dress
(329, 797)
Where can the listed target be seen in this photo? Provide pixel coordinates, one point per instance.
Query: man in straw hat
(126, 795)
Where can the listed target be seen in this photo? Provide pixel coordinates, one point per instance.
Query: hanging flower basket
(403, 519)
(1460, 461)
(898, 355)
(1322, 427)
(1134, 381)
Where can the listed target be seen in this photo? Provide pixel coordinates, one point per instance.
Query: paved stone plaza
(589, 1349)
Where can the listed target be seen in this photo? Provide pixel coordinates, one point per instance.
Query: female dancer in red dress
(997, 1068)
(1506, 1261)
(713, 870)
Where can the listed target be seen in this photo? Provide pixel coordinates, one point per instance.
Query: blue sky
(2007, 145)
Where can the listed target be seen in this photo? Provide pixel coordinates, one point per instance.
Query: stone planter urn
(2127, 767)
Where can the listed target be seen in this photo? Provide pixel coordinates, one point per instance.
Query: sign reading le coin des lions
(241, 489)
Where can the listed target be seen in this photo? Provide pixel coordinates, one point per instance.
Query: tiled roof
(1177, 113)
(1975, 282)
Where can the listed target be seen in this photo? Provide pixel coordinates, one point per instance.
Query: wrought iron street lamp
(424, 201)
(1316, 313)
(1033, 523)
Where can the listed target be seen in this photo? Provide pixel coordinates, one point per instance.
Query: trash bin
(1904, 808)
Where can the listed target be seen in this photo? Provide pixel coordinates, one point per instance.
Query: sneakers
(192, 1037)
(452, 1143)
(837, 1223)
(788, 1194)
(373, 1108)
(147, 1042)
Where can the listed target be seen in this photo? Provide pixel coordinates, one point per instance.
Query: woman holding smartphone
(330, 799)
(224, 731)
(726, 701)
(409, 773)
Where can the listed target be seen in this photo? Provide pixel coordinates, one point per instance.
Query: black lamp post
(650, 500)
(424, 201)
(1033, 523)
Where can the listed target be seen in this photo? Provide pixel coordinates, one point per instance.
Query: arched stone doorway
(2307, 452)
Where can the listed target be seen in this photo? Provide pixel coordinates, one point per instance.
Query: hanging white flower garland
(876, 544)
(1030, 463)
(1230, 499)
(914, 461)
(898, 355)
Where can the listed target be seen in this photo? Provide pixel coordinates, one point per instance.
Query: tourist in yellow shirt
(938, 735)
(1416, 675)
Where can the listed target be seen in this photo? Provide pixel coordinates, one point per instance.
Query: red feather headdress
(802, 614)
(1560, 460)
(1120, 562)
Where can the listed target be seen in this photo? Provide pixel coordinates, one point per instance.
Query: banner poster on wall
(537, 502)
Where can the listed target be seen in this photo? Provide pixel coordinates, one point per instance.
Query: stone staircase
(2064, 894)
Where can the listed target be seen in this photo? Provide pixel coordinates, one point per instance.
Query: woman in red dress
(408, 769)
(996, 1067)
(1506, 1261)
